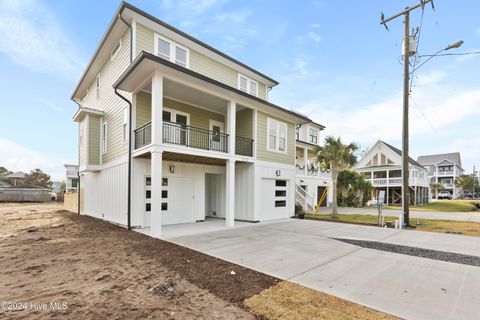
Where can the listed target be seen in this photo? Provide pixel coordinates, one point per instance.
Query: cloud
(16, 157)
(32, 37)
(300, 65)
(50, 105)
(314, 36)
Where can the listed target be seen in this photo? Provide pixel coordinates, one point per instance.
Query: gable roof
(117, 20)
(399, 152)
(437, 158)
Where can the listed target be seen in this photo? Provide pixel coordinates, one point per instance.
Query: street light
(454, 45)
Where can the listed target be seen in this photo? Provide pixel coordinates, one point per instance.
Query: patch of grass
(443, 206)
(442, 226)
(291, 301)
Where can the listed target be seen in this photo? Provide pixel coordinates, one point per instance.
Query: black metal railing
(194, 137)
(143, 135)
(243, 146)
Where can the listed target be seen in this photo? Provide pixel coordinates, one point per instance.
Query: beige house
(174, 131)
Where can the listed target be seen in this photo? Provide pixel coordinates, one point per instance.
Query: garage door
(177, 200)
(274, 199)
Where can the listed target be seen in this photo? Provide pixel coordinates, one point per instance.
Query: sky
(334, 62)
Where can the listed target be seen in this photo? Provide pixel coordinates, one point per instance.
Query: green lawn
(442, 226)
(443, 206)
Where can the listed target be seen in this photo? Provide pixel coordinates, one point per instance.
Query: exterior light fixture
(455, 45)
(172, 169)
(278, 173)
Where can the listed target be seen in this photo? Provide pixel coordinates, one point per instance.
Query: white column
(231, 115)
(305, 159)
(156, 156)
(156, 201)
(254, 134)
(157, 108)
(230, 193)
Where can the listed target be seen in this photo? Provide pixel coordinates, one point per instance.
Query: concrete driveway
(303, 251)
(473, 216)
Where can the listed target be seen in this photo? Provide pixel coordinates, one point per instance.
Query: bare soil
(95, 270)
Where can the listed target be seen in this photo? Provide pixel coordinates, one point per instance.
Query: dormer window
(247, 85)
(171, 51)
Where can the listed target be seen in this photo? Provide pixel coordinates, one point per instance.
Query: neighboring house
(23, 193)
(71, 177)
(206, 140)
(444, 169)
(382, 166)
(16, 178)
(313, 183)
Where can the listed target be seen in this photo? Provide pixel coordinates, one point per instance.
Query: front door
(322, 195)
(216, 137)
(148, 202)
(176, 130)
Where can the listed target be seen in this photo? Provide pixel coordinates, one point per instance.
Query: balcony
(193, 137)
(445, 173)
(313, 171)
(72, 173)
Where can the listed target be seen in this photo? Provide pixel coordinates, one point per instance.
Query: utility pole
(406, 94)
(474, 180)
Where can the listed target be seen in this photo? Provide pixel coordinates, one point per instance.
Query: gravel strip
(416, 252)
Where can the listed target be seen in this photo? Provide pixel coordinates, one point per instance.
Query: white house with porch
(382, 166)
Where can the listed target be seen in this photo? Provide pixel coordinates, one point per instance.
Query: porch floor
(185, 229)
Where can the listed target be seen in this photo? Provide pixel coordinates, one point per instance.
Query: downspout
(129, 177)
(78, 183)
(129, 180)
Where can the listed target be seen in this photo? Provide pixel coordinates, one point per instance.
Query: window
(247, 85)
(277, 136)
(280, 203)
(164, 194)
(97, 85)
(148, 181)
(125, 125)
(116, 49)
(165, 182)
(104, 137)
(74, 183)
(148, 207)
(313, 135)
(171, 51)
(280, 183)
(280, 193)
(164, 206)
(148, 194)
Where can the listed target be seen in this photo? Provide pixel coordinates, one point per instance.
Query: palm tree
(345, 180)
(336, 156)
(435, 188)
(361, 186)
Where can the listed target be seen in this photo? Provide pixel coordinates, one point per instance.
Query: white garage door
(177, 200)
(273, 199)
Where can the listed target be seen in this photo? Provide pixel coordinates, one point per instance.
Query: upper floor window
(97, 85)
(171, 51)
(247, 85)
(277, 136)
(313, 136)
(104, 137)
(116, 49)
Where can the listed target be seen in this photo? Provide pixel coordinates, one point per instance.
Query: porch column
(305, 159)
(231, 121)
(157, 108)
(230, 193)
(254, 134)
(156, 193)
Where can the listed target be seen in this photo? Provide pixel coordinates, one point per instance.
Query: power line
(450, 54)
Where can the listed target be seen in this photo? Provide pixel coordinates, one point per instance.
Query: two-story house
(444, 169)
(174, 131)
(314, 184)
(382, 166)
(71, 177)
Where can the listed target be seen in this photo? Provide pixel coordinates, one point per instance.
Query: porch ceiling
(178, 157)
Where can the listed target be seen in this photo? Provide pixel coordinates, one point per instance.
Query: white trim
(174, 112)
(87, 139)
(134, 39)
(278, 124)
(249, 84)
(125, 116)
(97, 86)
(172, 54)
(116, 50)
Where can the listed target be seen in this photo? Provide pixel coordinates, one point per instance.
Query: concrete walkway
(456, 216)
(303, 251)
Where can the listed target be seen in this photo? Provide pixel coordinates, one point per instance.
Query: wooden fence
(24, 195)
(70, 201)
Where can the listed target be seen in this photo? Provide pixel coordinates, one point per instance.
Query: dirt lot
(49, 257)
(57, 264)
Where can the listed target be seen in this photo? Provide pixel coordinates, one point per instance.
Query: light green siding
(200, 63)
(94, 140)
(263, 153)
(199, 118)
(144, 109)
(82, 142)
(144, 38)
(244, 123)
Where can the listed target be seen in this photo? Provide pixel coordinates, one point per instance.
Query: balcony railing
(445, 173)
(243, 146)
(143, 135)
(313, 171)
(194, 137)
